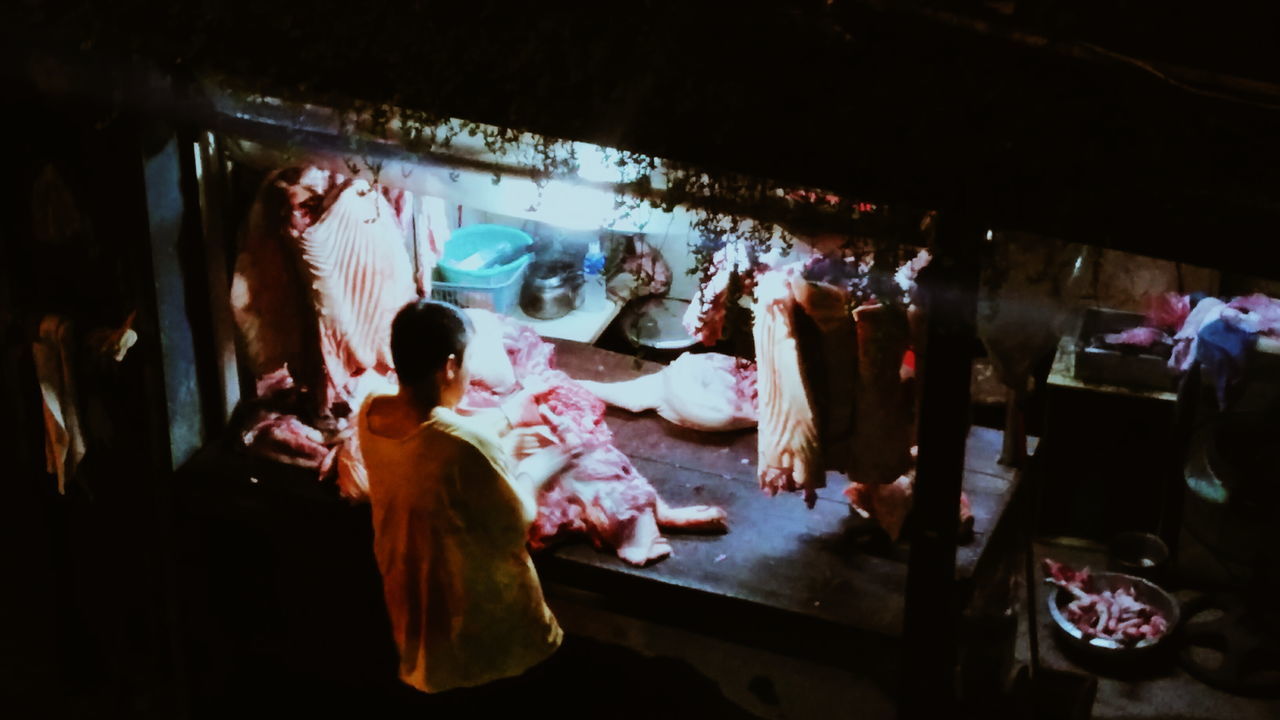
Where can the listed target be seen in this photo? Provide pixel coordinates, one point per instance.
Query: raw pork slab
(601, 496)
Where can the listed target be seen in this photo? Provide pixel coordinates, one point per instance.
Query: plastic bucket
(471, 251)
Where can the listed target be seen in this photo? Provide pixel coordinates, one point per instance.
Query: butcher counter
(784, 576)
(288, 564)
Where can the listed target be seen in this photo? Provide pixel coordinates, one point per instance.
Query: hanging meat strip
(883, 402)
(788, 451)
(830, 351)
(359, 274)
(277, 322)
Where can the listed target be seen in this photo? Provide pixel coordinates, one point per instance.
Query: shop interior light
(597, 164)
(563, 204)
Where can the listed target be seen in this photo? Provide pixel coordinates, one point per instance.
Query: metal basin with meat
(1104, 648)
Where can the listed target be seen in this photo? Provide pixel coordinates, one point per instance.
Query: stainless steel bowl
(658, 324)
(1143, 590)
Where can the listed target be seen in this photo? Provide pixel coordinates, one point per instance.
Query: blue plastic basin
(493, 242)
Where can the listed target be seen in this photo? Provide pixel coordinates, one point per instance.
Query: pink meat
(1263, 312)
(275, 317)
(1167, 311)
(702, 391)
(1118, 616)
(602, 495)
(286, 439)
(888, 504)
(788, 455)
(357, 269)
(1063, 574)
(1137, 337)
(274, 382)
(322, 269)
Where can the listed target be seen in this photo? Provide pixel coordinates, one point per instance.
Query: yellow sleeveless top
(450, 528)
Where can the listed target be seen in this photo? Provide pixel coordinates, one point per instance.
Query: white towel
(64, 441)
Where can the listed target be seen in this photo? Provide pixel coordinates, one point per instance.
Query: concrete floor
(776, 687)
(765, 684)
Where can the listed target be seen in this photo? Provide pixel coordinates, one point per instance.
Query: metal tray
(1110, 367)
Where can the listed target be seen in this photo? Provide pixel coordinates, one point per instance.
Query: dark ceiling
(1073, 119)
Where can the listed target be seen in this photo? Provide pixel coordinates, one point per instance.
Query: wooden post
(932, 612)
(165, 208)
(214, 209)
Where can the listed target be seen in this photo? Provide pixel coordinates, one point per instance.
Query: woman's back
(449, 535)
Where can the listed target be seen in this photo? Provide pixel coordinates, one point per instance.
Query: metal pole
(932, 611)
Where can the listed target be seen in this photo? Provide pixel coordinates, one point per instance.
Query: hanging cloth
(55, 371)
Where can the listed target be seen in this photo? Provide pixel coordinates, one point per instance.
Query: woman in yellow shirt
(453, 498)
(451, 514)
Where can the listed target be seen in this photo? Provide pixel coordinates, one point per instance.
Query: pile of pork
(1115, 616)
(325, 263)
(834, 376)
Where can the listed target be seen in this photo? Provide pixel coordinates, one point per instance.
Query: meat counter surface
(778, 557)
(784, 577)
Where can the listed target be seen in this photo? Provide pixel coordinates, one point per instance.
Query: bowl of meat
(1109, 615)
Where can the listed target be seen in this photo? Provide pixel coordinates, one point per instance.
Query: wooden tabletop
(824, 563)
(782, 568)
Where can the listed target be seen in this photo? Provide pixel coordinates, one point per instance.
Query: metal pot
(551, 289)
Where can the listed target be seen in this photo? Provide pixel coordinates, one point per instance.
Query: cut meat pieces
(888, 504)
(358, 272)
(1258, 313)
(788, 454)
(1114, 616)
(1136, 337)
(601, 495)
(277, 425)
(702, 391)
(285, 438)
